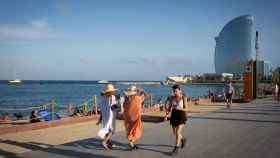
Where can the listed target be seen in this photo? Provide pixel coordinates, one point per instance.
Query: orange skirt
(133, 129)
(132, 117)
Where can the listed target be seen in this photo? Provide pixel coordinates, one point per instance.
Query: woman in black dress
(177, 104)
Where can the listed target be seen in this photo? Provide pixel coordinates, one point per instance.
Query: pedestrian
(178, 108)
(275, 93)
(278, 91)
(108, 114)
(229, 94)
(132, 115)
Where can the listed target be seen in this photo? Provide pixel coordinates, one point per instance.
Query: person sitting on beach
(34, 117)
(19, 116)
(132, 115)
(108, 114)
(178, 108)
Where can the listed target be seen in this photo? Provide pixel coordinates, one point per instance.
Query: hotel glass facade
(234, 45)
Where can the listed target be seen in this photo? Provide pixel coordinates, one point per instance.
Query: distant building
(214, 77)
(265, 69)
(234, 45)
(179, 79)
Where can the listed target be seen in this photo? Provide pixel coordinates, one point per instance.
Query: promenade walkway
(247, 130)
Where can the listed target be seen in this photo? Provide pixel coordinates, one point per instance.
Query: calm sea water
(33, 93)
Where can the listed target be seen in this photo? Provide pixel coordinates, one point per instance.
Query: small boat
(103, 81)
(16, 81)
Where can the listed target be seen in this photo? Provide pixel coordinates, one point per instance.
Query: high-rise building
(234, 45)
(265, 69)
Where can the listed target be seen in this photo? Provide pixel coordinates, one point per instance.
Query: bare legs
(229, 101)
(107, 138)
(177, 131)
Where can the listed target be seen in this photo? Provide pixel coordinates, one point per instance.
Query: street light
(257, 59)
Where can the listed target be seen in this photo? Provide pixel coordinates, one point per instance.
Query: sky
(124, 39)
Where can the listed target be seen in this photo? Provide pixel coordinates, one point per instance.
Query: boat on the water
(16, 81)
(103, 81)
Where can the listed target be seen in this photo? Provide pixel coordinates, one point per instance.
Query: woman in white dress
(107, 116)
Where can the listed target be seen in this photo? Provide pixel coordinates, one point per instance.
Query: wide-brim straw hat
(109, 88)
(132, 90)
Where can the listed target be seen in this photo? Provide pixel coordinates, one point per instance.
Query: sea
(35, 93)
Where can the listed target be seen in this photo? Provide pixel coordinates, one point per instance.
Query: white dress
(108, 116)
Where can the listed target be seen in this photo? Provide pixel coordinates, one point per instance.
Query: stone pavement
(249, 130)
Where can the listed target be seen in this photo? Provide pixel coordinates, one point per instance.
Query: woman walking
(178, 107)
(132, 115)
(107, 116)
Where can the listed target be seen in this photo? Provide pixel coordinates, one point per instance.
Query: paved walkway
(249, 130)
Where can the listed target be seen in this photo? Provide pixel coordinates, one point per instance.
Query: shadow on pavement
(8, 154)
(239, 112)
(147, 147)
(34, 146)
(234, 119)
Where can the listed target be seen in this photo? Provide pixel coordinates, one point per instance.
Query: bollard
(70, 107)
(52, 108)
(151, 100)
(94, 104)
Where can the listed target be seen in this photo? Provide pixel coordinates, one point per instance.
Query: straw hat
(109, 88)
(132, 90)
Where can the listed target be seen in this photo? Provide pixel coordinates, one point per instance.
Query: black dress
(178, 117)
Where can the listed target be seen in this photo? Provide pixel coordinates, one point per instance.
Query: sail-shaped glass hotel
(234, 45)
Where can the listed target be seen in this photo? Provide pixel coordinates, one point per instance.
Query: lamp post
(257, 64)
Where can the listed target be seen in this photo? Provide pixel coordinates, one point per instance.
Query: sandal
(111, 145)
(104, 144)
(133, 147)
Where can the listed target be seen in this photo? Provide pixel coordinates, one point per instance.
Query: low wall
(65, 121)
(46, 124)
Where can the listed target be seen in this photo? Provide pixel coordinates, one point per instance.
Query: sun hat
(132, 90)
(109, 88)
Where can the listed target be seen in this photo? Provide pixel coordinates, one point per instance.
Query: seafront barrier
(88, 107)
(12, 126)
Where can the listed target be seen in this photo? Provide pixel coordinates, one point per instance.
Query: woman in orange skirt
(132, 115)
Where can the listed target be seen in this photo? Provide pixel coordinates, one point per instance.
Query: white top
(177, 104)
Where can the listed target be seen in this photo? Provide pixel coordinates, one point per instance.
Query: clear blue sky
(119, 40)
